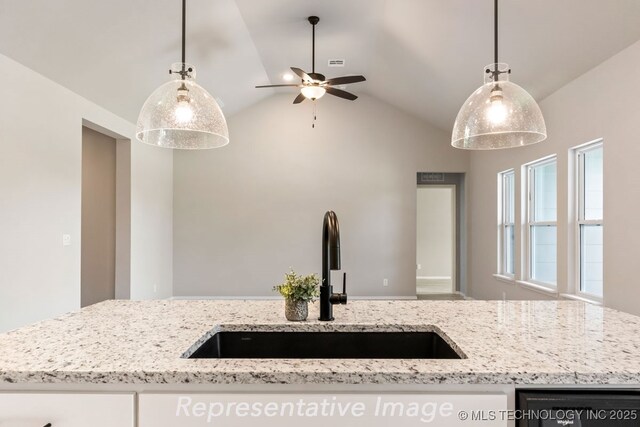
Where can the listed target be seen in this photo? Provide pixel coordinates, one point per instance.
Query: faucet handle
(342, 298)
(344, 283)
(336, 298)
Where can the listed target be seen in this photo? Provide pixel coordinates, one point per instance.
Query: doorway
(436, 240)
(98, 239)
(441, 255)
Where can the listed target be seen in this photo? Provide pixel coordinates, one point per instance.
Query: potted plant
(297, 292)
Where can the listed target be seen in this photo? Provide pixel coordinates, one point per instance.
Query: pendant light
(180, 113)
(500, 114)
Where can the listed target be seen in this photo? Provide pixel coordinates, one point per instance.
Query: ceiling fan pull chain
(315, 115)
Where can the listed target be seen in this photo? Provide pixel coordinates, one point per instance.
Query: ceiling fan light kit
(181, 114)
(313, 91)
(499, 114)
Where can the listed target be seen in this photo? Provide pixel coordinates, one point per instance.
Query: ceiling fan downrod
(313, 20)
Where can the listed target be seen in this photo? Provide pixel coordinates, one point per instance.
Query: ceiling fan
(313, 85)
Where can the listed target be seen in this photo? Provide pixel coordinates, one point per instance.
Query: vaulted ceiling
(424, 56)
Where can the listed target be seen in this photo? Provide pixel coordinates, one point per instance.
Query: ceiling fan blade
(341, 93)
(299, 99)
(345, 80)
(301, 74)
(258, 87)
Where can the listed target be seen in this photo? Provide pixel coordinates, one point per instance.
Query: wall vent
(432, 177)
(336, 63)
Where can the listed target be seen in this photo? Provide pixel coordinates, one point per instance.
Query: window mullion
(506, 198)
(588, 274)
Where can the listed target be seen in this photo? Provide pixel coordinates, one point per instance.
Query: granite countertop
(513, 342)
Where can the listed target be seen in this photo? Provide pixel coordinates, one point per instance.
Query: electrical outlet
(419, 267)
(504, 296)
(155, 288)
(385, 282)
(66, 240)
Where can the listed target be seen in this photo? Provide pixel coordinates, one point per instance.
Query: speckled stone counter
(529, 342)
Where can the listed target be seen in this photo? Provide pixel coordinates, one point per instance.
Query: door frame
(123, 210)
(457, 180)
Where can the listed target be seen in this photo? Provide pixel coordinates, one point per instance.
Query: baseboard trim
(225, 297)
(433, 278)
(383, 297)
(270, 298)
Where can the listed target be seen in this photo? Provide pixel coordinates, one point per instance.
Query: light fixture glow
(497, 112)
(313, 92)
(287, 77)
(183, 111)
(500, 114)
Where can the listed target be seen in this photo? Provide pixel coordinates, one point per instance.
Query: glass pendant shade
(181, 114)
(313, 92)
(500, 114)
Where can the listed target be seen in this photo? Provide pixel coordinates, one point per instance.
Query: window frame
(528, 223)
(503, 224)
(578, 217)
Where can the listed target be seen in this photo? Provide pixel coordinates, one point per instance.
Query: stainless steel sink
(325, 345)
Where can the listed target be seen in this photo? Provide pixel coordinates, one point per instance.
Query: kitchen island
(139, 347)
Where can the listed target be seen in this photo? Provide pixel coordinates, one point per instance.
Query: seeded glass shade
(500, 114)
(181, 114)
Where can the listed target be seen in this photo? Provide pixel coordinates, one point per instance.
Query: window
(541, 222)
(506, 223)
(589, 221)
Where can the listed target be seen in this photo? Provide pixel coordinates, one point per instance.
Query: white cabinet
(320, 410)
(67, 409)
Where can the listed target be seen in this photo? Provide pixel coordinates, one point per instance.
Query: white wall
(245, 213)
(435, 231)
(601, 103)
(151, 222)
(40, 195)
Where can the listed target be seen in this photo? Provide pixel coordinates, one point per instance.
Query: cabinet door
(66, 410)
(321, 410)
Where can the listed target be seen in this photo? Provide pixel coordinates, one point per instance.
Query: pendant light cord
(496, 69)
(184, 29)
(184, 71)
(495, 35)
(184, 32)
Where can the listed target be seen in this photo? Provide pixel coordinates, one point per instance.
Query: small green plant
(299, 288)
